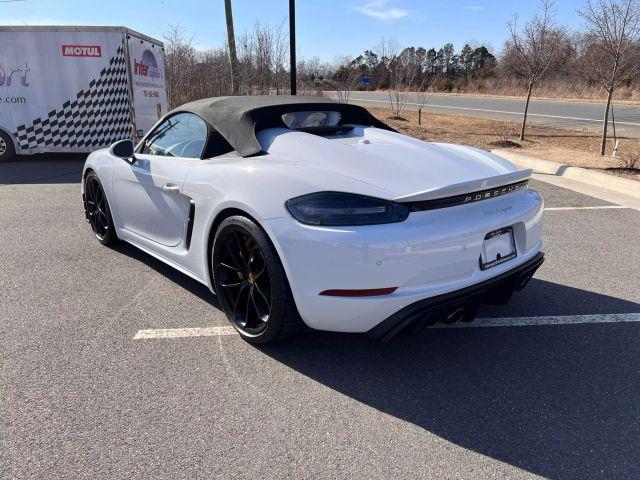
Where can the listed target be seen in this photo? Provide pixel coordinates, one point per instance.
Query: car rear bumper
(429, 254)
(459, 305)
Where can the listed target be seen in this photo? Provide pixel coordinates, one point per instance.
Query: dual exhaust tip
(457, 314)
(466, 313)
(523, 280)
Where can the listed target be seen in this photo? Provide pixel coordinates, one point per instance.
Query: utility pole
(233, 57)
(292, 44)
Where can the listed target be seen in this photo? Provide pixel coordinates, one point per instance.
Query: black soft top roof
(238, 119)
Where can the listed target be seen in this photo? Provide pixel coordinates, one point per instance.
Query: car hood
(407, 168)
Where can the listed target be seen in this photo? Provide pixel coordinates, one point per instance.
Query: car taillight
(345, 209)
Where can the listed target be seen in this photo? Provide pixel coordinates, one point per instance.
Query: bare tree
(262, 57)
(231, 41)
(343, 80)
(279, 58)
(262, 44)
(532, 52)
(245, 64)
(180, 61)
(400, 74)
(424, 93)
(313, 75)
(611, 54)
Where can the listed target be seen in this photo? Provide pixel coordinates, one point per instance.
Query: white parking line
(548, 320)
(597, 207)
(477, 323)
(184, 332)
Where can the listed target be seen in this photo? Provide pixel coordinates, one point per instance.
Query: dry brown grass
(573, 147)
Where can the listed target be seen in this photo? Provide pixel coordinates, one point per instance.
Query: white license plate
(498, 247)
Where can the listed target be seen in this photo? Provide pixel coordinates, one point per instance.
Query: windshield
(315, 119)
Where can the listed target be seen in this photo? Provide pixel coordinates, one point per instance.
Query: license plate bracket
(499, 246)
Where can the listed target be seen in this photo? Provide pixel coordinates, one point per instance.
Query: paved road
(81, 398)
(544, 112)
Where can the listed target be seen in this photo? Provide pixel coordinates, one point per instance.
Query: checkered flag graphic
(99, 116)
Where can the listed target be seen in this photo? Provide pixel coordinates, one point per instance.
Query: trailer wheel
(7, 149)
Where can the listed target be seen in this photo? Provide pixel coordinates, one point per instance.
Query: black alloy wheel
(250, 282)
(244, 281)
(97, 210)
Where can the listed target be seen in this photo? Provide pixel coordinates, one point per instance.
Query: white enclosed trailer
(75, 89)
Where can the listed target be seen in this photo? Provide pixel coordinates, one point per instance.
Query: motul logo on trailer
(81, 50)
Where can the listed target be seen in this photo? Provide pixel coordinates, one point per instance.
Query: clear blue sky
(325, 28)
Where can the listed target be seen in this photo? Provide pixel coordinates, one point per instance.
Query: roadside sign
(365, 79)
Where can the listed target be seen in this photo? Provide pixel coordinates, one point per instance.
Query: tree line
(417, 67)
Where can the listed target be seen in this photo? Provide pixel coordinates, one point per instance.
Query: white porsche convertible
(305, 211)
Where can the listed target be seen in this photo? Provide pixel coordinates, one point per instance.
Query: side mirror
(123, 149)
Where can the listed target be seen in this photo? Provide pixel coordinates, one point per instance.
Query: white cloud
(378, 9)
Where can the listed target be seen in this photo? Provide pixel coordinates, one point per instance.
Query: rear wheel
(97, 211)
(251, 283)
(7, 149)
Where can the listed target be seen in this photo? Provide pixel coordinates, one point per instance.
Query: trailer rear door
(148, 83)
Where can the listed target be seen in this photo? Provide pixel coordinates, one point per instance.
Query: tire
(251, 283)
(97, 211)
(7, 148)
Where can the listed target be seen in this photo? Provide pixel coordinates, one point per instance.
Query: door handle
(171, 188)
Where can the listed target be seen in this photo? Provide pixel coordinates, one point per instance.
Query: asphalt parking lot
(81, 398)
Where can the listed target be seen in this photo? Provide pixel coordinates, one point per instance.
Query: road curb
(598, 179)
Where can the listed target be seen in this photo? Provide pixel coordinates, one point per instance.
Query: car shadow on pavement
(43, 169)
(196, 288)
(559, 401)
(542, 298)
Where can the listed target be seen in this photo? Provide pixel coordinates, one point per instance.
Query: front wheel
(251, 283)
(97, 211)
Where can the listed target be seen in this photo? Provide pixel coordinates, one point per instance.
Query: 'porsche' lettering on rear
(493, 193)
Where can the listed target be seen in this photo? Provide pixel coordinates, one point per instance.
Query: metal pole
(292, 44)
(613, 120)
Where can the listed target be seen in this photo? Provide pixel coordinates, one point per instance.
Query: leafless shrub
(505, 136)
(398, 100)
(341, 89)
(342, 81)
